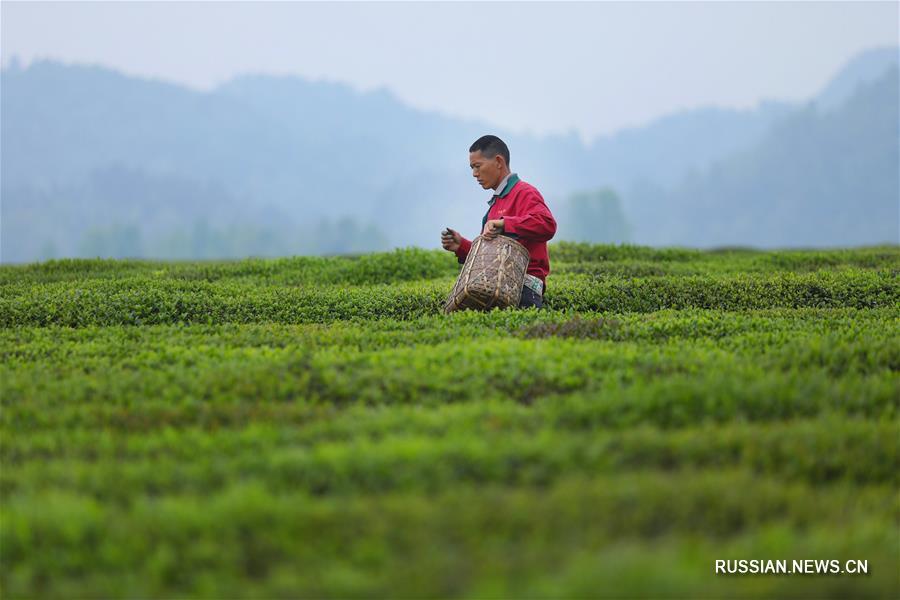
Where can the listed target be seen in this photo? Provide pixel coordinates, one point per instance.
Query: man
(516, 209)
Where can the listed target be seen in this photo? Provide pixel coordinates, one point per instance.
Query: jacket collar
(505, 187)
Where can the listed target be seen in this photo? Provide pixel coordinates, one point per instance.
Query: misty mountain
(864, 68)
(87, 149)
(819, 177)
(286, 139)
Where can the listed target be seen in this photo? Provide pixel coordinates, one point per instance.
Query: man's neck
(499, 187)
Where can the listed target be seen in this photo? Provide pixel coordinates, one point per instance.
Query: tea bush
(315, 427)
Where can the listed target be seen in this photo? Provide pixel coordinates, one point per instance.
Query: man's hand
(450, 239)
(492, 229)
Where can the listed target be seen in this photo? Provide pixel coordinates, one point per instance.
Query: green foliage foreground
(313, 427)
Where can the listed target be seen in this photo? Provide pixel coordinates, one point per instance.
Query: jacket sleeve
(534, 221)
(463, 251)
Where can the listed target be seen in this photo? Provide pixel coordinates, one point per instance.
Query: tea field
(315, 427)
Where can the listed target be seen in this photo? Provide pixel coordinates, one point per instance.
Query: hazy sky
(539, 66)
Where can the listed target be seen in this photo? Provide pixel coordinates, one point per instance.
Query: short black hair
(490, 146)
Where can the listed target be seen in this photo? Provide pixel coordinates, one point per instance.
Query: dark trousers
(531, 298)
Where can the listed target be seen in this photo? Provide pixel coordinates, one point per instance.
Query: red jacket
(524, 214)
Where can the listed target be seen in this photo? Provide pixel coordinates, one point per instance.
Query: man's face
(488, 171)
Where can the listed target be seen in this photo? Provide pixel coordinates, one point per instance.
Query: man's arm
(535, 222)
(463, 251)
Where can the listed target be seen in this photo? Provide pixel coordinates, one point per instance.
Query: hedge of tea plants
(315, 427)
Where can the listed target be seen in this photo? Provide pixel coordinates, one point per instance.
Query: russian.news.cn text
(791, 567)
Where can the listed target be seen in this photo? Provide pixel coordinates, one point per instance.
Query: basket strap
(465, 284)
(503, 257)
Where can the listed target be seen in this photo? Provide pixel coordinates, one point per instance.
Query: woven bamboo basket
(492, 276)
